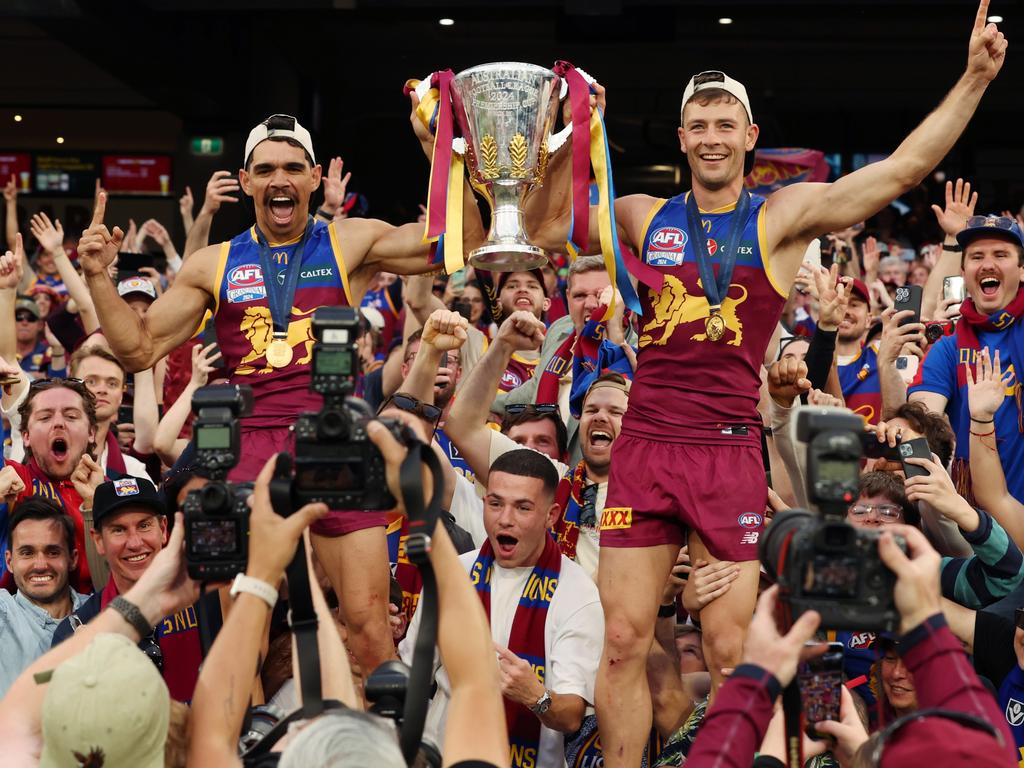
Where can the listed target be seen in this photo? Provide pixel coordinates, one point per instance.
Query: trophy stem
(506, 249)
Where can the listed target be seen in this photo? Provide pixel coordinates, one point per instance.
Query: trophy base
(508, 257)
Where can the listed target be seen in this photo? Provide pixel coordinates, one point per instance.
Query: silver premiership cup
(506, 111)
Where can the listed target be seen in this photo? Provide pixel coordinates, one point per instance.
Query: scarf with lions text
(526, 639)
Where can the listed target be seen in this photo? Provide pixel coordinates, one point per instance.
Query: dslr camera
(335, 462)
(823, 563)
(216, 515)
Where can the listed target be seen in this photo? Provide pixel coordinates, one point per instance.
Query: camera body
(335, 462)
(216, 515)
(825, 564)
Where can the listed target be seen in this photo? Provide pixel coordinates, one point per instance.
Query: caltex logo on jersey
(667, 247)
(245, 283)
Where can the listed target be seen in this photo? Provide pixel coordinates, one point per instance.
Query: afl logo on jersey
(666, 248)
(510, 380)
(245, 283)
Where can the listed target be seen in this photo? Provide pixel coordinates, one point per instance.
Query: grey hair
(344, 738)
(586, 264)
(893, 261)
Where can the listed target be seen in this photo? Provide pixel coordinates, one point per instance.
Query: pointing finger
(100, 211)
(982, 17)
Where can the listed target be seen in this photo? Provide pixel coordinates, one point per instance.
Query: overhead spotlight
(17, 118)
(60, 139)
(995, 19)
(725, 20)
(446, 22)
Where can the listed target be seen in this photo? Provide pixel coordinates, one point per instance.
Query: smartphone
(916, 448)
(907, 366)
(909, 297)
(210, 337)
(126, 414)
(953, 288)
(821, 681)
(133, 262)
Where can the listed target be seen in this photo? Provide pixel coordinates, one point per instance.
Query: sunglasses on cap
(999, 222)
(25, 317)
(516, 408)
(409, 404)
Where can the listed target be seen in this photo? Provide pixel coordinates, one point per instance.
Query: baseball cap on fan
(136, 285)
(714, 79)
(279, 127)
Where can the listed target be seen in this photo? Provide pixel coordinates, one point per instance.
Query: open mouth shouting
(990, 286)
(506, 545)
(601, 439)
(59, 449)
(524, 302)
(282, 209)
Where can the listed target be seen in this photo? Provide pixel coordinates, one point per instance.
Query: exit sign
(212, 145)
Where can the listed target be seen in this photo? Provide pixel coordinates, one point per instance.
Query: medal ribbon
(715, 291)
(579, 100)
(280, 301)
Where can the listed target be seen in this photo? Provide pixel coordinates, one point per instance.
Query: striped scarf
(569, 497)
(526, 639)
(557, 366)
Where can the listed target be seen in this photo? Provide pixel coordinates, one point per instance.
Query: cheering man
(262, 288)
(719, 264)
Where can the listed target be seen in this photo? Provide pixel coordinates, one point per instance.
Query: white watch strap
(260, 589)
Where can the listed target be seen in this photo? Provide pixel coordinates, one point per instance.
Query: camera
(335, 462)
(824, 563)
(934, 331)
(216, 515)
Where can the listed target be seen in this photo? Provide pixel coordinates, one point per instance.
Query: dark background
(148, 76)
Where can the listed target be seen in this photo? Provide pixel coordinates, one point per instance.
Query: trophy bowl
(506, 111)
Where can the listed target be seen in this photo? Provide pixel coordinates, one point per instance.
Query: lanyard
(716, 290)
(280, 297)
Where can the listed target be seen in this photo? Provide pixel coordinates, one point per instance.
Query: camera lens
(333, 425)
(214, 498)
(783, 525)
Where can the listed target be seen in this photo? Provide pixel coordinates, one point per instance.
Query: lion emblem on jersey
(674, 307)
(258, 329)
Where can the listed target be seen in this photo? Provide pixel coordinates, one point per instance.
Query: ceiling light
(17, 118)
(446, 22)
(725, 20)
(60, 139)
(995, 19)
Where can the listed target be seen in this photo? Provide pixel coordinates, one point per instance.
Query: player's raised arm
(802, 211)
(139, 342)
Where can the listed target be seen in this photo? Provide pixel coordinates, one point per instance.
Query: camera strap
(422, 521)
(793, 711)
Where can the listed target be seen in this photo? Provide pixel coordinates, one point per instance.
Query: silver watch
(543, 704)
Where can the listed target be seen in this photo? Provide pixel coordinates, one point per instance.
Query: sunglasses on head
(69, 382)
(516, 408)
(999, 222)
(25, 317)
(410, 404)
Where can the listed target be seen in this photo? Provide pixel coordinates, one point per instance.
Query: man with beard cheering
(262, 288)
(719, 264)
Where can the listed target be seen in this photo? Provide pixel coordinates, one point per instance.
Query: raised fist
(521, 331)
(445, 330)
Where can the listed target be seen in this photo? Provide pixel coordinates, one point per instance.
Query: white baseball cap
(136, 284)
(717, 80)
(279, 127)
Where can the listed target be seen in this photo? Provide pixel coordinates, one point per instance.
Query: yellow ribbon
(599, 162)
(454, 258)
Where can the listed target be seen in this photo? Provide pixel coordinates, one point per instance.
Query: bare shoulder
(359, 235)
(785, 207)
(200, 269)
(631, 212)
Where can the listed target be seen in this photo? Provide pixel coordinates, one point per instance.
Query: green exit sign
(208, 145)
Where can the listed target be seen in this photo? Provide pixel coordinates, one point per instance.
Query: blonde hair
(176, 746)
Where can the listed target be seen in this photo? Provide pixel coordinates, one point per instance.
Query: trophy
(506, 111)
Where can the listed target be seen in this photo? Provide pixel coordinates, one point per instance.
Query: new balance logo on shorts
(616, 518)
(750, 537)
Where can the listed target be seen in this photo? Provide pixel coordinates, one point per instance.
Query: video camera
(335, 462)
(216, 515)
(825, 564)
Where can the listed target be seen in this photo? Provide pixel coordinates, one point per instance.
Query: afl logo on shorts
(245, 283)
(750, 520)
(667, 247)
(510, 380)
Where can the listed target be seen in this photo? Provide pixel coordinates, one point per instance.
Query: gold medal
(715, 324)
(279, 353)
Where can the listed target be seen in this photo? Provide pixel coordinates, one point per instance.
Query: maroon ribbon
(579, 100)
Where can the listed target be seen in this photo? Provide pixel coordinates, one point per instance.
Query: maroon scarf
(115, 459)
(569, 497)
(526, 639)
(559, 365)
(972, 322)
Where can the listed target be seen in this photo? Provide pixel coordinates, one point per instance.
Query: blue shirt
(938, 374)
(25, 633)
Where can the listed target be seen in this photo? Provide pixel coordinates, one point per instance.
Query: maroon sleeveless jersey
(687, 387)
(245, 329)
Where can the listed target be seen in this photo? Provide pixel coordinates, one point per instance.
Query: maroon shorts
(658, 491)
(260, 443)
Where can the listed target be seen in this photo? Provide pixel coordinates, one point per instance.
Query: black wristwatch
(952, 248)
(131, 613)
(323, 212)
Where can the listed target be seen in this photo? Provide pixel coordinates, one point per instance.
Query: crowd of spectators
(520, 382)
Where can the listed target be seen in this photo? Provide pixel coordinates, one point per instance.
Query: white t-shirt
(573, 639)
(588, 546)
(468, 510)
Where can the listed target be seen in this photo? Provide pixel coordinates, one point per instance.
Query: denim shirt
(25, 633)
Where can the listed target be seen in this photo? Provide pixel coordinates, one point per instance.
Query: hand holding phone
(821, 681)
(909, 297)
(916, 448)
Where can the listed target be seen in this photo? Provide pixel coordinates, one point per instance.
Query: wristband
(952, 248)
(131, 613)
(256, 587)
(321, 211)
(982, 434)
(982, 421)
(667, 611)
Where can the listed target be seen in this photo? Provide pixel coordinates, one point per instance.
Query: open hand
(959, 207)
(203, 359)
(49, 235)
(335, 185)
(986, 390)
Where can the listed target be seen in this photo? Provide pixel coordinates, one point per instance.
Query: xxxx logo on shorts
(616, 518)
